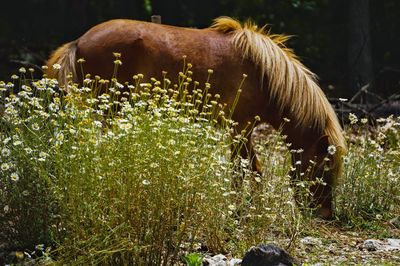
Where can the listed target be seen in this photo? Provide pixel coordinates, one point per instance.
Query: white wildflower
(145, 85)
(119, 85)
(53, 107)
(17, 143)
(59, 136)
(231, 207)
(154, 165)
(87, 81)
(332, 149)
(35, 126)
(14, 177)
(171, 142)
(125, 126)
(98, 123)
(353, 118)
(42, 156)
(5, 152)
(5, 166)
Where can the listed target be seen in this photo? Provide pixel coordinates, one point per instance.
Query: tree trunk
(359, 46)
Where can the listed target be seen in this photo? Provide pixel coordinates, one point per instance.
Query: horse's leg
(249, 153)
(255, 178)
(321, 194)
(322, 199)
(296, 176)
(245, 152)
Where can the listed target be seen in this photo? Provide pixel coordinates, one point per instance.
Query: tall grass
(141, 173)
(370, 184)
(117, 177)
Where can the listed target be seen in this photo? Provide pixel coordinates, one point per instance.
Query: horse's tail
(62, 63)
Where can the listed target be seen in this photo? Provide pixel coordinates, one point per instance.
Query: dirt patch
(337, 246)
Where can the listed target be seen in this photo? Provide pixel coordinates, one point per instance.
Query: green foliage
(193, 259)
(114, 178)
(27, 188)
(369, 188)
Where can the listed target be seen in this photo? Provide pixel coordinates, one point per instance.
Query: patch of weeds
(369, 187)
(193, 259)
(139, 173)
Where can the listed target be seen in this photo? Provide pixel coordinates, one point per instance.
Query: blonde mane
(290, 82)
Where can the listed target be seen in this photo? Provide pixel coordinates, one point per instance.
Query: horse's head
(320, 164)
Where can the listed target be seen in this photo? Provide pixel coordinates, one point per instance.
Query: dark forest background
(348, 43)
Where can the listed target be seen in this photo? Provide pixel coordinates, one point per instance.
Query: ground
(340, 246)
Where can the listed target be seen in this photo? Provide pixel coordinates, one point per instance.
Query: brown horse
(278, 85)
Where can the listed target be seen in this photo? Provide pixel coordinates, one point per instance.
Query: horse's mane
(290, 82)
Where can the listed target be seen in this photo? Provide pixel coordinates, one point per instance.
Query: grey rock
(221, 260)
(219, 257)
(217, 260)
(311, 241)
(381, 245)
(234, 262)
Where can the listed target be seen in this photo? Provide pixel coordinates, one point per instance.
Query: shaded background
(348, 43)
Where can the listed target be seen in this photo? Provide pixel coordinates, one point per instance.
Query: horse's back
(149, 48)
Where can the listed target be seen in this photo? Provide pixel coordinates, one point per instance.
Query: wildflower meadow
(142, 174)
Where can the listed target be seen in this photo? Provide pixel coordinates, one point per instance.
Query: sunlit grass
(369, 189)
(142, 173)
(118, 177)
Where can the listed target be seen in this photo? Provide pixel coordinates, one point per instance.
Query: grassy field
(114, 173)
